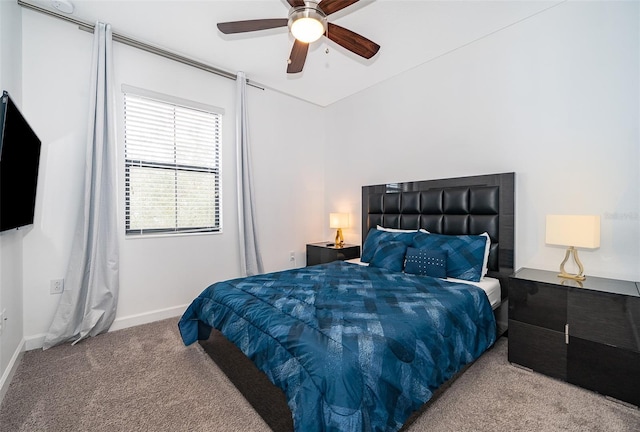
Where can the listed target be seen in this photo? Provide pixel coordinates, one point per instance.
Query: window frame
(132, 162)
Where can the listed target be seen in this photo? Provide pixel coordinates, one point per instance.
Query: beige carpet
(145, 379)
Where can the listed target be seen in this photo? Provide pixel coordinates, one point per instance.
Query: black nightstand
(586, 333)
(321, 253)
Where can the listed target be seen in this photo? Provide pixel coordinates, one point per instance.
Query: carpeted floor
(145, 379)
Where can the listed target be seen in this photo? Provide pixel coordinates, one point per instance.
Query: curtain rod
(88, 27)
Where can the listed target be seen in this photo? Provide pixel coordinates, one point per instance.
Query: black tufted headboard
(463, 205)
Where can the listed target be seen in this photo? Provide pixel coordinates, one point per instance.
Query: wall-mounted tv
(19, 161)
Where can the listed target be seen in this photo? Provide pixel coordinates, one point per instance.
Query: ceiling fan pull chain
(326, 51)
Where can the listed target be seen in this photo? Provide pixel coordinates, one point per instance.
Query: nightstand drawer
(538, 304)
(322, 253)
(605, 318)
(608, 370)
(539, 349)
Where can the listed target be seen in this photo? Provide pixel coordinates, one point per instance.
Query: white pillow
(378, 227)
(487, 248)
(356, 261)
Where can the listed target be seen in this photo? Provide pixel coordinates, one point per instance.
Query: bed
(361, 348)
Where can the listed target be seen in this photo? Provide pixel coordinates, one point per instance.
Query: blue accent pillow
(426, 262)
(389, 255)
(376, 236)
(465, 253)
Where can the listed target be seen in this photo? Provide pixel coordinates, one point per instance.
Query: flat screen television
(19, 162)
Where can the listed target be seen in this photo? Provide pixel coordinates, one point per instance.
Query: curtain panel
(88, 303)
(250, 256)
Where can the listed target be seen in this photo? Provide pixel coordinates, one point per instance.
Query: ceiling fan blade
(296, 3)
(331, 6)
(251, 25)
(352, 41)
(297, 57)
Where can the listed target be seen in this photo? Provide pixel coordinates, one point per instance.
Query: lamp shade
(573, 230)
(338, 220)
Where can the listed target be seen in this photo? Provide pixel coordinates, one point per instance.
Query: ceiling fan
(307, 22)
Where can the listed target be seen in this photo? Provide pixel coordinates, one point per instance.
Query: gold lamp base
(563, 274)
(339, 238)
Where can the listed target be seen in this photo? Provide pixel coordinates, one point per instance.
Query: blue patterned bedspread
(353, 348)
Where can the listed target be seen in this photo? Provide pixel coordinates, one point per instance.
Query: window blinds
(172, 167)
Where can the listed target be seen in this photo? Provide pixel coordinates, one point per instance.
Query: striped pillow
(375, 237)
(465, 253)
(390, 256)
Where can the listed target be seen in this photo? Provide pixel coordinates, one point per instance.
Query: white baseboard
(147, 317)
(37, 341)
(34, 342)
(5, 381)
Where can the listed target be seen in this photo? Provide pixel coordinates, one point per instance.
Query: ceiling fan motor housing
(307, 23)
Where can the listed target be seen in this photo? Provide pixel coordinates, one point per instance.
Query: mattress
(491, 286)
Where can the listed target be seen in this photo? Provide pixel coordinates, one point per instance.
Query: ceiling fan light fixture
(307, 23)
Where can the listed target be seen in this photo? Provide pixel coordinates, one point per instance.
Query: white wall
(161, 275)
(11, 340)
(554, 98)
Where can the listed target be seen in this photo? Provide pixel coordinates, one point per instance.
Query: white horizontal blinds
(172, 160)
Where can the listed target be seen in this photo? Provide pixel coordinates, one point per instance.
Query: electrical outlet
(292, 256)
(57, 286)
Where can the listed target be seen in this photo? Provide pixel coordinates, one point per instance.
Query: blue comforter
(353, 348)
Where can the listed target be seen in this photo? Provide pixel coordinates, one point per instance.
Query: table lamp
(573, 231)
(339, 221)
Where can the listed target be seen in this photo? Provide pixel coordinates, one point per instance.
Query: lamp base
(339, 238)
(563, 274)
(575, 277)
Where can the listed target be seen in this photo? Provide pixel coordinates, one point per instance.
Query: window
(172, 164)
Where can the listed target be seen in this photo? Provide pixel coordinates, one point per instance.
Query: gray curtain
(88, 303)
(250, 257)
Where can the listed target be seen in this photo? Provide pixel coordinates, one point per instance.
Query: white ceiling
(410, 34)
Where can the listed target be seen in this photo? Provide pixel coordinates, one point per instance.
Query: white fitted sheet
(489, 285)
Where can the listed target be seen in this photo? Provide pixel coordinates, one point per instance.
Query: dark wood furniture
(321, 253)
(586, 333)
